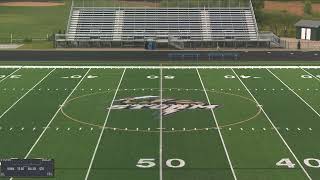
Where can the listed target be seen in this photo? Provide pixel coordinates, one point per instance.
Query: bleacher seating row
(139, 24)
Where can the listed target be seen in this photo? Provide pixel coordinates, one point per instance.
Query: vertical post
(11, 38)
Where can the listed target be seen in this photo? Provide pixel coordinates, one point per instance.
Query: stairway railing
(70, 15)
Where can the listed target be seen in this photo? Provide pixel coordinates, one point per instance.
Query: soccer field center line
(104, 125)
(218, 128)
(158, 67)
(26, 93)
(10, 74)
(160, 130)
(275, 128)
(44, 130)
(294, 93)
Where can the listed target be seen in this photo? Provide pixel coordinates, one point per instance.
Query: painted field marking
(47, 127)
(274, 127)
(294, 93)
(10, 75)
(163, 67)
(161, 129)
(217, 125)
(26, 93)
(104, 125)
(311, 74)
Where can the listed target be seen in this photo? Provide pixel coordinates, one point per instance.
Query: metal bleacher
(112, 25)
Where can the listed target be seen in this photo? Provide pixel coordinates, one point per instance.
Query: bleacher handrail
(70, 16)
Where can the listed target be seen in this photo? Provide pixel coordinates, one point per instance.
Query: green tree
(307, 7)
(258, 5)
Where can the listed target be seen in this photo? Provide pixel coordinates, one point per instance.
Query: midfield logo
(169, 106)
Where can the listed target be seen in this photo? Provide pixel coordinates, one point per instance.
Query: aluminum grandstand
(175, 27)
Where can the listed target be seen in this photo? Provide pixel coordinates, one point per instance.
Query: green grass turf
(37, 45)
(253, 146)
(32, 22)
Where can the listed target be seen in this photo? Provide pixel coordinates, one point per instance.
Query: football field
(164, 122)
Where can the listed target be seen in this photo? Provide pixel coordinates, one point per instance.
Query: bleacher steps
(118, 25)
(251, 25)
(206, 25)
(73, 24)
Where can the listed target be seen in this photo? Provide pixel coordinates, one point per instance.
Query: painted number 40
(149, 163)
(310, 162)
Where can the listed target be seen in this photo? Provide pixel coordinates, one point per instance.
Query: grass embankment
(29, 25)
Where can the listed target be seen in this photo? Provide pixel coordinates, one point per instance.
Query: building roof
(308, 23)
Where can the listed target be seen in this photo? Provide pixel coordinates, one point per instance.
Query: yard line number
(149, 163)
(241, 76)
(12, 76)
(310, 162)
(79, 77)
(309, 76)
(157, 77)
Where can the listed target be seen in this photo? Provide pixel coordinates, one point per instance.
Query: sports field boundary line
(218, 128)
(158, 67)
(10, 75)
(275, 128)
(25, 94)
(104, 125)
(305, 102)
(160, 131)
(54, 116)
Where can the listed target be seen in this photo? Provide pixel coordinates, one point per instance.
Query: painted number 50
(149, 163)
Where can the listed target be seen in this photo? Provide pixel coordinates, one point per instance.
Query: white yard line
(25, 94)
(54, 116)
(217, 125)
(311, 74)
(275, 128)
(294, 93)
(104, 125)
(9, 75)
(162, 67)
(160, 145)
